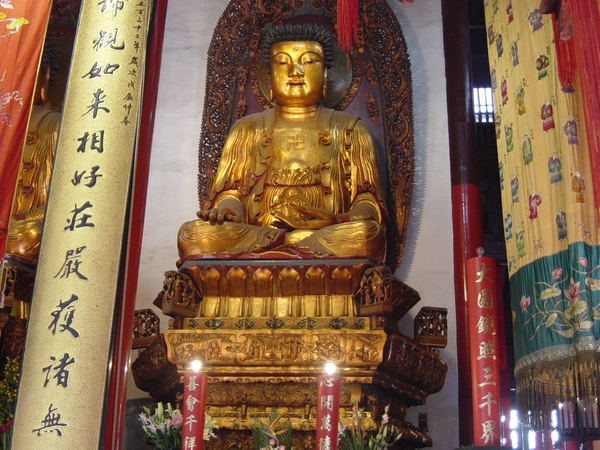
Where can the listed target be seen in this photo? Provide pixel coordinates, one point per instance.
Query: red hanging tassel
(347, 23)
(586, 37)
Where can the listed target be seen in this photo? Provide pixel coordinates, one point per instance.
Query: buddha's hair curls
(307, 32)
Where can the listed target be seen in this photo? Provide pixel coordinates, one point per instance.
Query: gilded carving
(240, 109)
(8, 274)
(370, 73)
(152, 365)
(372, 107)
(257, 348)
(146, 327)
(431, 327)
(381, 293)
(179, 295)
(411, 363)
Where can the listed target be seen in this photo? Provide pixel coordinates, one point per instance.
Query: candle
(328, 401)
(194, 407)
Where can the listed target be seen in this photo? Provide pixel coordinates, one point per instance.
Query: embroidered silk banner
(550, 223)
(22, 30)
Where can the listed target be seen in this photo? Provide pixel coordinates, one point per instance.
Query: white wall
(427, 265)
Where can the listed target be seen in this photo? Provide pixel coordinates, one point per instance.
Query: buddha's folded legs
(24, 238)
(199, 237)
(361, 239)
(364, 239)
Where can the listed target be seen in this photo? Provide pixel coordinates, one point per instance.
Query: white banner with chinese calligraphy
(67, 352)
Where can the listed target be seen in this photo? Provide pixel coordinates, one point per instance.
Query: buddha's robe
(269, 166)
(31, 194)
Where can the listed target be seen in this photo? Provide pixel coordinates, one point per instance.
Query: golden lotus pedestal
(265, 329)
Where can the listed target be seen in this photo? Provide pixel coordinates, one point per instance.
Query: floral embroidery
(5, 99)
(564, 311)
(12, 24)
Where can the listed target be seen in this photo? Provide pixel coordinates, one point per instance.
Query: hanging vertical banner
(194, 408)
(483, 338)
(62, 392)
(328, 409)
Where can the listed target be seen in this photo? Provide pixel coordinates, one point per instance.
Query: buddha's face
(297, 73)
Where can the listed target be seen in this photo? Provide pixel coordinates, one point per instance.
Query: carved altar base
(265, 329)
(16, 288)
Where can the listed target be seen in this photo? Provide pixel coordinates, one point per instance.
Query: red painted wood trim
(117, 394)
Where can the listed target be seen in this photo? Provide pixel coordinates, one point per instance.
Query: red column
(117, 396)
(466, 206)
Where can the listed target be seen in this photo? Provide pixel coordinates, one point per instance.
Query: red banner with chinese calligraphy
(194, 408)
(484, 350)
(328, 401)
(22, 29)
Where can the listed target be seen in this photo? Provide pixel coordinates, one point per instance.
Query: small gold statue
(298, 180)
(25, 227)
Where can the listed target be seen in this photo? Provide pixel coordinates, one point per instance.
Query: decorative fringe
(586, 37)
(569, 386)
(347, 23)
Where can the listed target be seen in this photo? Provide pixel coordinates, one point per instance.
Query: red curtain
(22, 30)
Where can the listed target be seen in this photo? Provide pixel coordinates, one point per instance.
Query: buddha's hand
(320, 218)
(228, 209)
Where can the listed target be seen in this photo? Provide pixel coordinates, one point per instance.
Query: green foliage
(356, 438)
(8, 395)
(8, 389)
(164, 428)
(276, 434)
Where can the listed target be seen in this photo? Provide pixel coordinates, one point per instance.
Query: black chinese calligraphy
(79, 219)
(62, 374)
(63, 315)
(92, 176)
(71, 264)
(51, 423)
(95, 140)
(95, 106)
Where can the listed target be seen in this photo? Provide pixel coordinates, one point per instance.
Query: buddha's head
(298, 57)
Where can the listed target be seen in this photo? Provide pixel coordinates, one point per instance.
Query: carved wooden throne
(265, 328)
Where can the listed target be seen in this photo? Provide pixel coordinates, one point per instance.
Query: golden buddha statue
(31, 193)
(296, 181)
